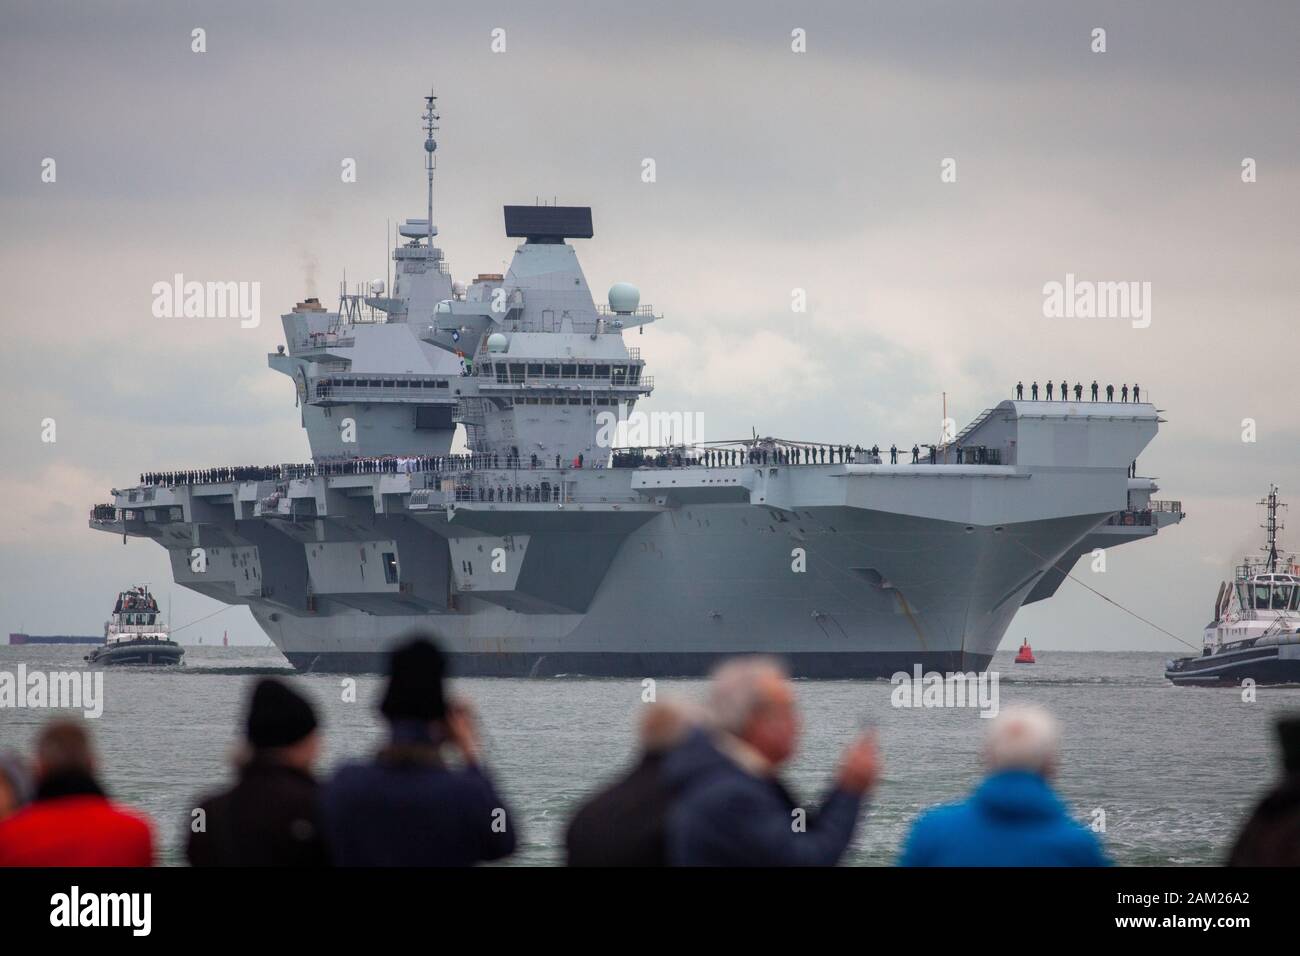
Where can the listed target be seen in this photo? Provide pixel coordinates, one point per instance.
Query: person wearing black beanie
(1271, 837)
(277, 716)
(424, 800)
(415, 683)
(271, 816)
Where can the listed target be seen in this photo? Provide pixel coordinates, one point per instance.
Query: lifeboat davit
(1026, 653)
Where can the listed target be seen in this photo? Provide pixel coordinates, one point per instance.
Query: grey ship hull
(678, 599)
(658, 572)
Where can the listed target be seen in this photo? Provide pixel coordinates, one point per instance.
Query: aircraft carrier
(543, 550)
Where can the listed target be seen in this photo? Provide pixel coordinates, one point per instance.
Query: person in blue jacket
(730, 807)
(1013, 818)
(424, 800)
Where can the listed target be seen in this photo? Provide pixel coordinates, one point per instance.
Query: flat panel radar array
(548, 223)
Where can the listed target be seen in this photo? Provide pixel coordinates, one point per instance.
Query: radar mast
(1271, 525)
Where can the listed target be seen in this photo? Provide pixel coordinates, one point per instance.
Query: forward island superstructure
(544, 551)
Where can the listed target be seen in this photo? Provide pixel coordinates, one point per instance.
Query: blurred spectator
(624, 824)
(71, 821)
(1013, 818)
(1271, 837)
(270, 817)
(15, 784)
(410, 806)
(732, 809)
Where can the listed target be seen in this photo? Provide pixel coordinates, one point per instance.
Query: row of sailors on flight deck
(407, 464)
(1078, 392)
(790, 455)
(387, 464)
(800, 455)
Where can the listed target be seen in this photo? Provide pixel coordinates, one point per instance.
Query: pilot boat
(135, 635)
(1255, 633)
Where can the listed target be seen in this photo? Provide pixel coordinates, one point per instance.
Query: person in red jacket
(71, 822)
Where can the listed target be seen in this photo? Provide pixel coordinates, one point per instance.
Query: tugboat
(134, 635)
(1255, 633)
(1026, 653)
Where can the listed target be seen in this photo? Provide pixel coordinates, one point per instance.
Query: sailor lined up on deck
(513, 460)
(1078, 391)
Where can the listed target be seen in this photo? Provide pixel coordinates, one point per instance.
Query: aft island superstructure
(545, 551)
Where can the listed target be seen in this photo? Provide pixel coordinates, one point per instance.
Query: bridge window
(516, 372)
(1262, 592)
(552, 371)
(390, 567)
(585, 371)
(1295, 598)
(569, 371)
(1281, 596)
(602, 372)
(535, 370)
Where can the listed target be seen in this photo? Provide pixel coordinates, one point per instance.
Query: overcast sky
(775, 170)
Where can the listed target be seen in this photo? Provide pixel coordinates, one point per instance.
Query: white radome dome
(624, 297)
(497, 342)
(376, 286)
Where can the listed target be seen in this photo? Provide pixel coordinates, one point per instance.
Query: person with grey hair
(731, 808)
(1013, 818)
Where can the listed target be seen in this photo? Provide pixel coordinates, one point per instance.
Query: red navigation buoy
(1026, 653)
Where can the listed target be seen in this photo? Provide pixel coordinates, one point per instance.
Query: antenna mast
(1271, 525)
(430, 145)
(943, 429)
